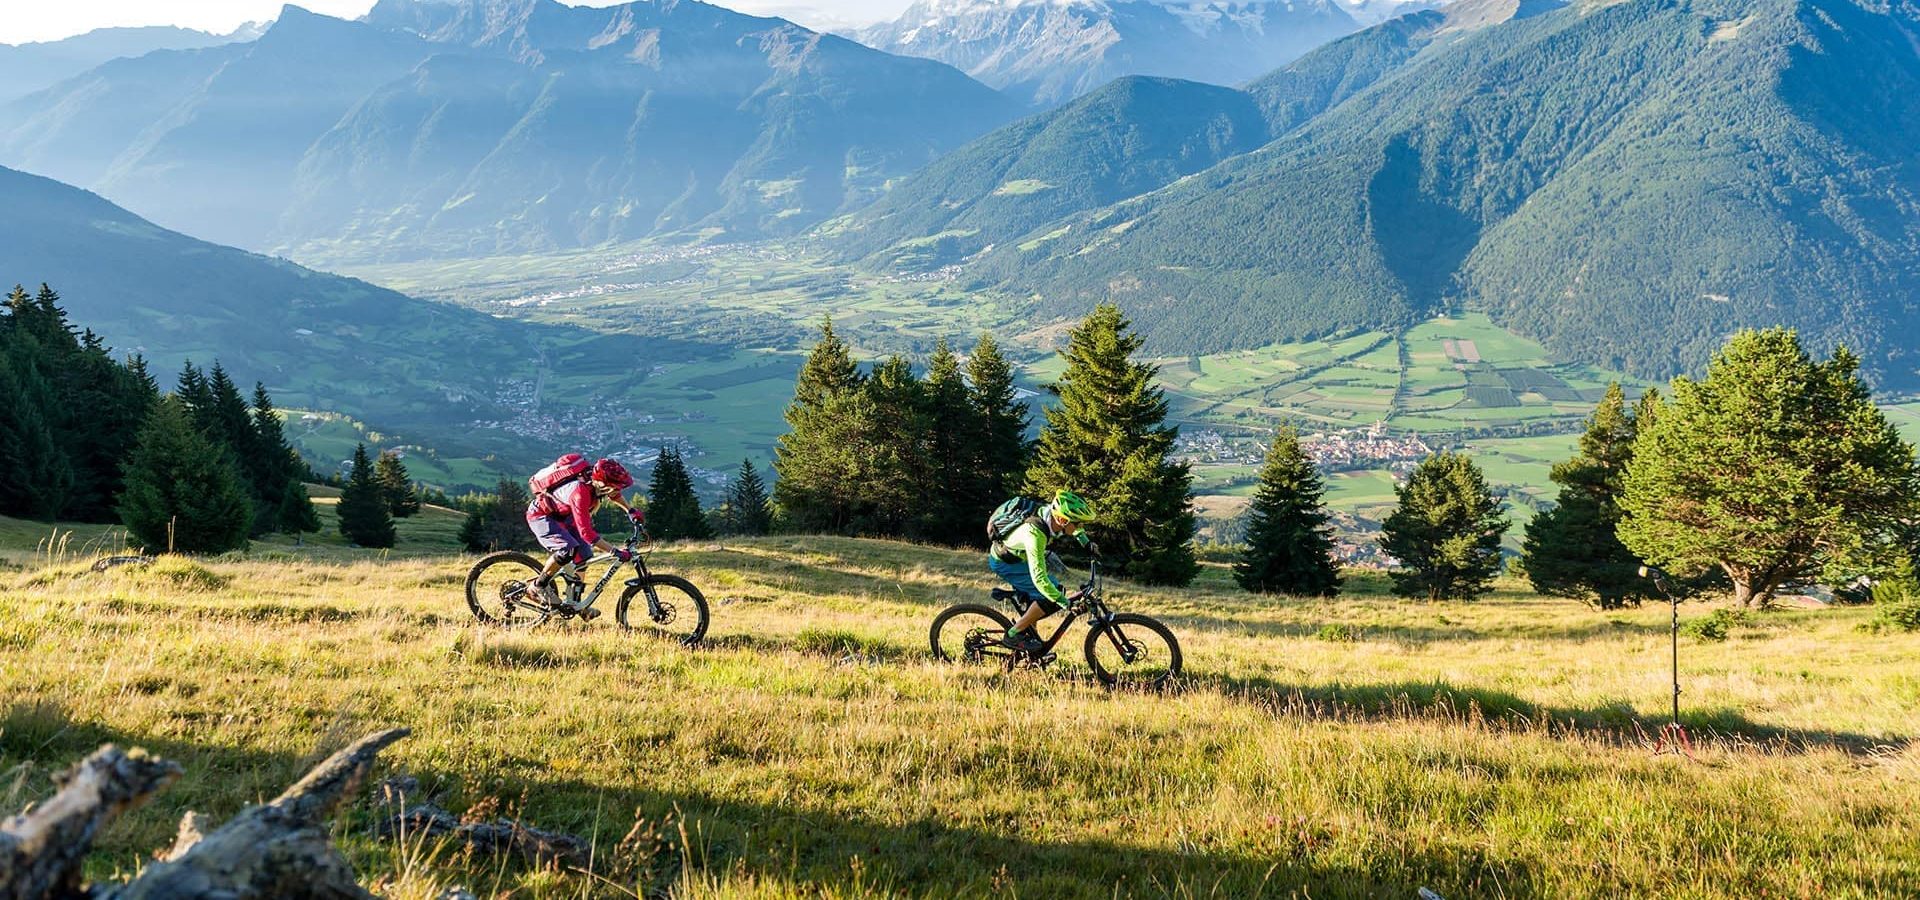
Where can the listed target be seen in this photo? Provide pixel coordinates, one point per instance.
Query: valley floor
(1361, 747)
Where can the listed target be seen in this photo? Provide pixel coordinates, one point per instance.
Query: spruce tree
(497, 521)
(1107, 440)
(1571, 550)
(233, 425)
(894, 480)
(823, 454)
(1000, 448)
(673, 509)
(746, 506)
(295, 514)
(39, 477)
(1445, 532)
(282, 469)
(1774, 468)
(403, 498)
(1289, 541)
(182, 491)
(955, 500)
(364, 519)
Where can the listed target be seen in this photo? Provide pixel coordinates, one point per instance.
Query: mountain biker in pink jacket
(561, 517)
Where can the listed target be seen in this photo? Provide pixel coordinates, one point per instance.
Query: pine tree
(403, 498)
(39, 477)
(364, 519)
(193, 390)
(233, 425)
(673, 509)
(1571, 550)
(1289, 542)
(823, 455)
(1106, 441)
(497, 521)
(1000, 449)
(182, 491)
(1445, 532)
(1774, 468)
(282, 469)
(746, 505)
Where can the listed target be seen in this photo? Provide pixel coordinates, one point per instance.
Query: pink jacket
(573, 504)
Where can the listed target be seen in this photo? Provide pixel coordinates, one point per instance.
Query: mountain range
(26, 68)
(319, 341)
(1626, 182)
(1046, 52)
(488, 126)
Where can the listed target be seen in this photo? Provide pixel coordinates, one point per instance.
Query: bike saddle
(1006, 596)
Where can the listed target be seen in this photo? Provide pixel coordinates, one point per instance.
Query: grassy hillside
(1363, 747)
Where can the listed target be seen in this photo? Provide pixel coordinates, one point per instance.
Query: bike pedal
(589, 614)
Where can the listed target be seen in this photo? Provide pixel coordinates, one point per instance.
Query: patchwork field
(1355, 748)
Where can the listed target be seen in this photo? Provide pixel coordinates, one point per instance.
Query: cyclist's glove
(622, 555)
(637, 516)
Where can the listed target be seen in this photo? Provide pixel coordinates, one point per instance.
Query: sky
(23, 21)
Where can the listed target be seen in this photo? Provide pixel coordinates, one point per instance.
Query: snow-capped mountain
(1047, 52)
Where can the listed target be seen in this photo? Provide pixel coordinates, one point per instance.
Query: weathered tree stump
(41, 850)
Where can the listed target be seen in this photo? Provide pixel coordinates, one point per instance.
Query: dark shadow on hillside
(1503, 711)
(817, 853)
(1416, 634)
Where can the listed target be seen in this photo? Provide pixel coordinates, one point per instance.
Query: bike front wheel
(1133, 651)
(969, 633)
(501, 591)
(666, 606)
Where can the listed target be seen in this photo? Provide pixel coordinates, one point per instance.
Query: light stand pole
(1673, 735)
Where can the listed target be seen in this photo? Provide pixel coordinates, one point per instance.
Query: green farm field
(1360, 747)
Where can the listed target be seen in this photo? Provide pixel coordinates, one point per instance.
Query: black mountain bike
(501, 591)
(1123, 649)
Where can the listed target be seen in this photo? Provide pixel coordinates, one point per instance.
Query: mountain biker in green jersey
(1021, 559)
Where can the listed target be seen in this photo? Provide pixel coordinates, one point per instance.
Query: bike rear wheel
(677, 611)
(970, 633)
(500, 591)
(1133, 651)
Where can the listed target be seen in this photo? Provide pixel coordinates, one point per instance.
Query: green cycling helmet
(1072, 507)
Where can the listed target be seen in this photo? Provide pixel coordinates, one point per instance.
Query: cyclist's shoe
(587, 615)
(1023, 641)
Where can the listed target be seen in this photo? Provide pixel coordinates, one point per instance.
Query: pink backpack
(563, 470)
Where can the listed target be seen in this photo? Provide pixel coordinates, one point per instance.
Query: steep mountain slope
(1047, 53)
(1129, 137)
(496, 125)
(1624, 182)
(320, 341)
(26, 68)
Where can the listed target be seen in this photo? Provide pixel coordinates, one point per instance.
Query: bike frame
(1097, 612)
(642, 575)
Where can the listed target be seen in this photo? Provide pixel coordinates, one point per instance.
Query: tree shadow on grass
(1503, 711)
(804, 850)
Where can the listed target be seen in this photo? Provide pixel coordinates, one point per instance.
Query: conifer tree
(403, 498)
(194, 391)
(282, 470)
(1289, 541)
(1445, 532)
(1000, 448)
(895, 479)
(182, 491)
(822, 457)
(39, 477)
(746, 505)
(673, 509)
(233, 425)
(1107, 441)
(295, 514)
(496, 521)
(364, 519)
(1571, 550)
(1774, 468)
(954, 496)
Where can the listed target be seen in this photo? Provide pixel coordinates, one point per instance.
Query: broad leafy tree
(1445, 532)
(1774, 468)
(1108, 441)
(1289, 547)
(1572, 550)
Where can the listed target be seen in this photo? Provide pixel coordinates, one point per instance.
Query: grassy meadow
(1361, 747)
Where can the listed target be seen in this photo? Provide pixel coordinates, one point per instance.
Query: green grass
(812, 749)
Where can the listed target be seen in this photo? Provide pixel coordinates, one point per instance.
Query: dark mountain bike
(501, 591)
(1123, 649)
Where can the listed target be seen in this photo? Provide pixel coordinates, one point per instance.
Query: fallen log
(535, 845)
(277, 849)
(41, 850)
